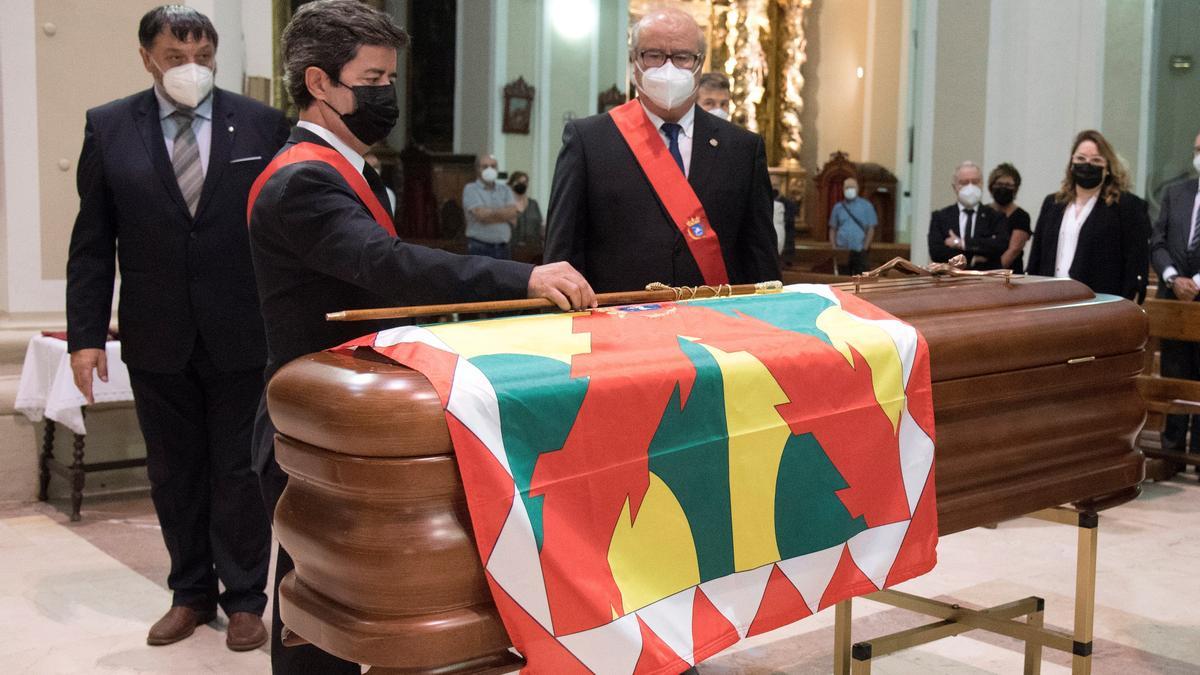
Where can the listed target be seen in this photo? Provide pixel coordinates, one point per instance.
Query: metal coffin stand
(1001, 619)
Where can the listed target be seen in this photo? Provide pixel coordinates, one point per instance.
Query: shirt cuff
(1169, 274)
(1196, 279)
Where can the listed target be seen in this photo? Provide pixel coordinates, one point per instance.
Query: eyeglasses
(1094, 161)
(653, 58)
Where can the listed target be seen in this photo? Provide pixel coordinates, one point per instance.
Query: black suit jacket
(606, 220)
(983, 249)
(180, 276)
(1169, 235)
(317, 249)
(1113, 254)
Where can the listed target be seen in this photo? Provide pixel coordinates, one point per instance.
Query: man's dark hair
(184, 22)
(327, 34)
(714, 80)
(1005, 169)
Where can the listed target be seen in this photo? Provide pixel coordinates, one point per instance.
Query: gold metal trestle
(855, 658)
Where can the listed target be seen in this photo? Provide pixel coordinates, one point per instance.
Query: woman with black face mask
(1003, 183)
(1093, 229)
(529, 230)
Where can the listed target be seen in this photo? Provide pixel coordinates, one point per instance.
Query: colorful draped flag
(650, 484)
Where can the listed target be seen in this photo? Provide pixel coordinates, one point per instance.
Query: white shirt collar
(688, 121)
(355, 159)
(165, 107)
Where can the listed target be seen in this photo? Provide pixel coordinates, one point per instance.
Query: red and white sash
(313, 152)
(673, 190)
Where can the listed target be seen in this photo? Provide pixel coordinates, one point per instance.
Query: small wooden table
(47, 392)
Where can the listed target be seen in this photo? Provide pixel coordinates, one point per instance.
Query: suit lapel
(223, 130)
(156, 148)
(704, 152)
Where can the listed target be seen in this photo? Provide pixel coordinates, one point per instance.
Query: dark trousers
(197, 425)
(305, 658)
(1181, 360)
(498, 251)
(859, 262)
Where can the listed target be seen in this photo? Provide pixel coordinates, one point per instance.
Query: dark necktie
(969, 230)
(1194, 241)
(185, 160)
(377, 188)
(672, 131)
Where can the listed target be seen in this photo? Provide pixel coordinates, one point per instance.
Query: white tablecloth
(48, 389)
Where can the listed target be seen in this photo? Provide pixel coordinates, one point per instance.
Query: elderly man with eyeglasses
(658, 189)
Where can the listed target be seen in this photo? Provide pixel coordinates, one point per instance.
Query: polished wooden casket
(1036, 404)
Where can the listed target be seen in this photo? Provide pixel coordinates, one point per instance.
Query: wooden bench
(1170, 320)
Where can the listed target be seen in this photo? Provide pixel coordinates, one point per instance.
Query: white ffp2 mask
(667, 85)
(188, 84)
(489, 175)
(969, 195)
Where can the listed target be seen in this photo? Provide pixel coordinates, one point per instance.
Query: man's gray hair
(669, 14)
(965, 164)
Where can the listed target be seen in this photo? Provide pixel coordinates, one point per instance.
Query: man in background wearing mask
(852, 225)
(322, 241)
(1175, 254)
(968, 227)
(714, 94)
(658, 190)
(163, 176)
(490, 211)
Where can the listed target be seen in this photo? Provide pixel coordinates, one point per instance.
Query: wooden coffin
(1036, 400)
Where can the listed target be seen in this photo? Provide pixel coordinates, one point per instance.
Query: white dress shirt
(1170, 273)
(688, 122)
(1068, 236)
(356, 160)
(201, 126)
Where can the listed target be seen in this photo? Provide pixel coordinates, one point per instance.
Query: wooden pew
(1170, 320)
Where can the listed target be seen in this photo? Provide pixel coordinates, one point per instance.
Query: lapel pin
(231, 129)
(712, 142)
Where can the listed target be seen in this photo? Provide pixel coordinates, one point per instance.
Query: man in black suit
(322, 241)
(967, 227)
(163, 176)
(610, 212)
(1175, 254)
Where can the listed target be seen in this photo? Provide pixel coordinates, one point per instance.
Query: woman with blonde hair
(1093, 229)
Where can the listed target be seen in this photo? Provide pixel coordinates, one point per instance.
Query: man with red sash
(323, 240)
(658, 189)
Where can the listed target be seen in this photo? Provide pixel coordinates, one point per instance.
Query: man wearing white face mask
(490, 210)
(658, 189)
(715, 95)
(968, 227)
(164, 175)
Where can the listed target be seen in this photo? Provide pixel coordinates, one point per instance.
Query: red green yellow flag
(650, 484)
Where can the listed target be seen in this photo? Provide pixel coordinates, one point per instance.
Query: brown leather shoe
(178, 623)
(246, 631)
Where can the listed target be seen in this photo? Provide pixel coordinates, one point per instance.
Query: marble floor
(78, 597)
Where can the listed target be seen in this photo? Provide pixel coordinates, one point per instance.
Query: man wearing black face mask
(322, 241)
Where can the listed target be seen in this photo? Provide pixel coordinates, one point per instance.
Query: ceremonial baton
(655, 292)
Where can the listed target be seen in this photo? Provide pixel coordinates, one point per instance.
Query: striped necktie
(185, 159)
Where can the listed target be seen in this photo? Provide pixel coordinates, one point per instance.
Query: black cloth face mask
(1004, 195)
(1087, 176)
(375, 112)
(520, 188)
